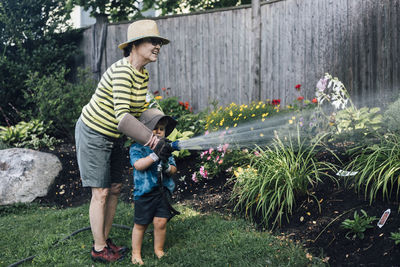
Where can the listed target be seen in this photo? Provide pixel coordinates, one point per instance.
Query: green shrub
(57, 100)
(28, 135)
(378, 167)
(221, 160)
(358, 123)
(276, 176)
(358, 226)
(391, 116)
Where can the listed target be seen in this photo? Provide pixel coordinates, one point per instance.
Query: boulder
(26, 174)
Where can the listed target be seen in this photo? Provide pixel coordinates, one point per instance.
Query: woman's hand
(163, 149)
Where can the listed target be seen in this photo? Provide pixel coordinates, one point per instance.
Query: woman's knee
(115, 189)
(100, 194)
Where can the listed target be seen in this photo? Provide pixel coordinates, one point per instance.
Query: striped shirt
(121, 90)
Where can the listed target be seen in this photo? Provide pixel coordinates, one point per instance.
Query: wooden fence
(261, 52)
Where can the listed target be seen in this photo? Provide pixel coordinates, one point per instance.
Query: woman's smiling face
(149, 49)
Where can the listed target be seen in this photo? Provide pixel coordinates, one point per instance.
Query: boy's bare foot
(137, 260)
(159, 254)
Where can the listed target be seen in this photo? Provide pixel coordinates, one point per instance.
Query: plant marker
(383, 219)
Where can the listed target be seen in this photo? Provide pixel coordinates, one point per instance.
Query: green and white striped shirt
(122, 89)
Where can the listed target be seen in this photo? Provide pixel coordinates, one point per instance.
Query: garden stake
(383, 219)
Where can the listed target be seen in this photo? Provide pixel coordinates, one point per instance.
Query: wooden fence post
(256, 50)
(99, 42)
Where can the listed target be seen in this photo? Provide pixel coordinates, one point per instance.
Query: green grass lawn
(193, 239)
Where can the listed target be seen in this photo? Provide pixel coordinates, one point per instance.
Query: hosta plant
(395, 236)
(30, 134)
(357, 226)
(276, 176)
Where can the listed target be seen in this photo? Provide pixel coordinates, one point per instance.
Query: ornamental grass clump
(276, 176)
(378, 168)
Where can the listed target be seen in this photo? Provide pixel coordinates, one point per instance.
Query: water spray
(248, 135)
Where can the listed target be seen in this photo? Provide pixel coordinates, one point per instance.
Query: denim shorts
(151, 205)
(100, 158)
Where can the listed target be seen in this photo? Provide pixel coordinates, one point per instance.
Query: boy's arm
(144, 163)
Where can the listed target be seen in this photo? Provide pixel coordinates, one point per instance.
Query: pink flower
(194, 177)
(210, 150)
(209, 157)
(206, 132)
(225, 147)
(203, 172)
(216, 159)
(220, 162)
(219, 148)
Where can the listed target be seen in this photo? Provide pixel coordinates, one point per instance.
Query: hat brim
(125, 44)
(171, 123)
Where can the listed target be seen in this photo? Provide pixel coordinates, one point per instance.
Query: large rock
(26, 174)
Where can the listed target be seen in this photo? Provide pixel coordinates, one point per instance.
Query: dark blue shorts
(151, 205)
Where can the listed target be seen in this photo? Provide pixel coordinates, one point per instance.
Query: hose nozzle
(175, 145)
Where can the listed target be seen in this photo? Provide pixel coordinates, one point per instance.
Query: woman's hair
(128, 48)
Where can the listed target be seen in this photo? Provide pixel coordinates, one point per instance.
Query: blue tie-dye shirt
(146, 180)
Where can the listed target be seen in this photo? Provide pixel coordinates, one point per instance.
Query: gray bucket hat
(152, 116)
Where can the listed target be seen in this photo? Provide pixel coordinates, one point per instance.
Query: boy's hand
(163, 149)
(165, 166)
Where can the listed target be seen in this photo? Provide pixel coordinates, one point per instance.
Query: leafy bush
(221, 160)
(391, 116)
(34, 37)
(57, 100)
(358, 226)
(28, 135)
(378, 167)
(358, 122)
(276, 176)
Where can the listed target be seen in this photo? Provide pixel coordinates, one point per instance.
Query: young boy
(151, 204)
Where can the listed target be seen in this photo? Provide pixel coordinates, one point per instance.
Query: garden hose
(59, 241)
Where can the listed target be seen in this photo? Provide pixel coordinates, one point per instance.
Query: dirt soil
(318, 230)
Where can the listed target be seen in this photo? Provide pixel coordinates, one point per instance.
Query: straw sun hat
(142, 29)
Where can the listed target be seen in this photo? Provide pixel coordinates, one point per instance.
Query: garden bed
(320, 232)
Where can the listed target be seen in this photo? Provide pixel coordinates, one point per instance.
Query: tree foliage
(115, 10)
(33, 38)
(168, 7)
(123, 10)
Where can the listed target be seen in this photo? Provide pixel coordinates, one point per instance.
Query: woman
(120, 97)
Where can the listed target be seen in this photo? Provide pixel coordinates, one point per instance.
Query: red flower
(156, 92)
(276, 102)
(300, 98)
(181, 103)
(298, 87)
(163, 88)
(314, 100)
